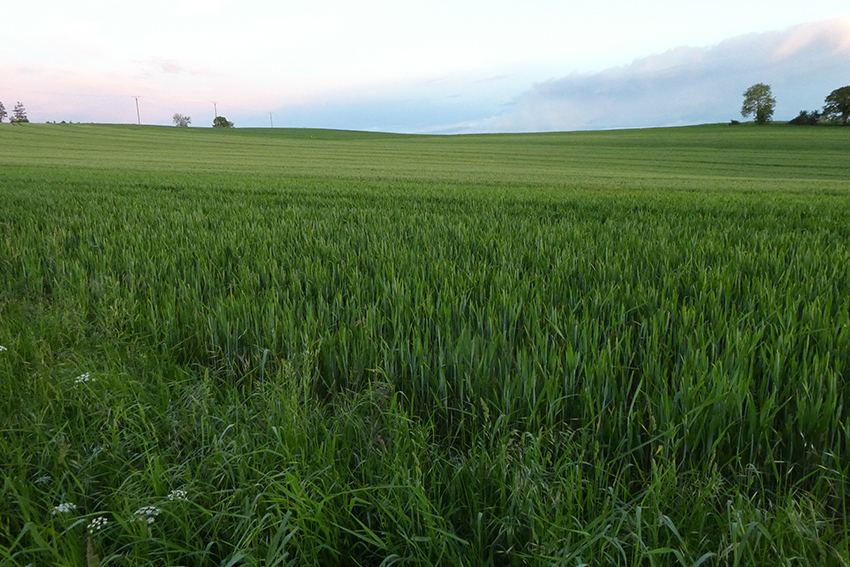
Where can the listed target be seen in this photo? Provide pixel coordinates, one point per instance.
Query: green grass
(624, 348)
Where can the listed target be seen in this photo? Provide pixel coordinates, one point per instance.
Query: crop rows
(432, 370)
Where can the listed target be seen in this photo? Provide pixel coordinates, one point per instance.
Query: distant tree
(758, 103)
(2, 112)
(806, 118)
(19, 114)
(222, 122)
(837, 106)
(181, 121)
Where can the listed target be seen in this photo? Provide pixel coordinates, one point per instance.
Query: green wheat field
(307, 347)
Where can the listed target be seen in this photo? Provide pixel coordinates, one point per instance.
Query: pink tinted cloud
(165, 86)
(832, 36)
(51, 94)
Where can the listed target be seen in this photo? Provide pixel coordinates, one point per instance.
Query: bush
(222, 122)
(806, 118)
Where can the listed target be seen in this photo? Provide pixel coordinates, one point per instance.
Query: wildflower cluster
(177, 495)
(64, 508)
(147, 513)
(82, 378)
(97, 524)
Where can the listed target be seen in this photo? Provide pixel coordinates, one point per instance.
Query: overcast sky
(441, 66)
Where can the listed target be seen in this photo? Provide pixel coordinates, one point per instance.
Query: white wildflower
(82, 378)
(64, 508)
(43, 479)
(147, 513)
(2, 348)
(97, 524)
(177, 495)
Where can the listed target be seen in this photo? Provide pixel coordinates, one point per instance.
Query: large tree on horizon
(837, 105)
(2, 111)
(758, 103)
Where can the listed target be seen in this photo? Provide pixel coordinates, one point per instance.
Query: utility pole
(138, 116)
(270, 120)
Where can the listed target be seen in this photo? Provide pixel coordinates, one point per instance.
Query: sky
(442, 66)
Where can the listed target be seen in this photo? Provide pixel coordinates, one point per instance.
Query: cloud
(690, 85)
(172, 66)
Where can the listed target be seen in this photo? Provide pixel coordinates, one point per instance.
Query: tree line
(19, 114)
(759, 103)
(182, 121)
